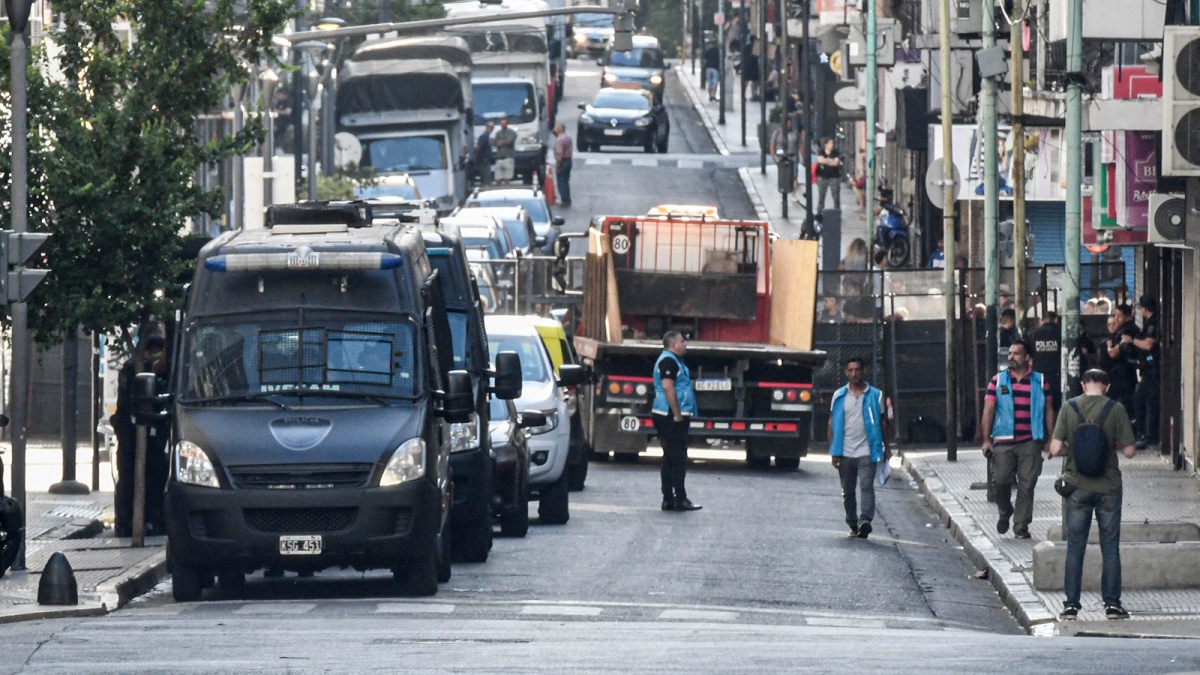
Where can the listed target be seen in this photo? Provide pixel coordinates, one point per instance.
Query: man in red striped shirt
(1017, 421)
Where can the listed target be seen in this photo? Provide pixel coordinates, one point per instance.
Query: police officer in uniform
(674, 405)
(1047, 355)
(1146, 398)
(156, 442)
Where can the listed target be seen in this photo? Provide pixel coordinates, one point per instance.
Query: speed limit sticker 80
(630, 423)
(620, 244)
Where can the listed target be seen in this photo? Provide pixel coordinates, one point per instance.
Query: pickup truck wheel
(232, 582)
(514, 520)
(474, 542)
(443, 559)
(578, 472)
(418, 578)
(187, 581)
(552, 505)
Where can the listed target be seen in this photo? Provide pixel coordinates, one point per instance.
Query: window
(516, 100)
(531, 350)
(405, 154)
(638, 57)
(621, 101)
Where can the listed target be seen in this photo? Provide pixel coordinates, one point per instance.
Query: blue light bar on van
(303, 258)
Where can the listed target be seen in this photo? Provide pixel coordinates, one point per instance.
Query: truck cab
(312, 404)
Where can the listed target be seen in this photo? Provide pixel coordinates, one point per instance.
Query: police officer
(674, 404)
(1047, 357)
(1146, 398)
(152, 360)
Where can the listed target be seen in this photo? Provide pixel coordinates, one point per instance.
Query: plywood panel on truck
(601, 310)
(793, 292)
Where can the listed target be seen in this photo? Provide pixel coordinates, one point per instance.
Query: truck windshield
(312, 356)
(405, 153)
(638, 57)
(516, 100)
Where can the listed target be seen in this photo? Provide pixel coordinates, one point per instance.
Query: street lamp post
(237, 175)
(269, 82)
(312, 79)
(329, 104)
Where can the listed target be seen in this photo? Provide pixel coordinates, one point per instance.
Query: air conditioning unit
(1181, 101)
(1167, 222)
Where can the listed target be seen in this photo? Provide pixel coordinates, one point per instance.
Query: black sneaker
(853, 530)
(1021, 534)
(668, 505)
(686, 504)
(1070, 612)
(864, 529)
(1115, 612)
(1002, 524)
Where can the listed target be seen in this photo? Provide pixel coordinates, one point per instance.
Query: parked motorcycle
(12, 522)
(891, 231)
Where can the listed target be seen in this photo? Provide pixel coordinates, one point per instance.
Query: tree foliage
(114, 148)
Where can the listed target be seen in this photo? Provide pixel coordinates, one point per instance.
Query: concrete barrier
(1144, 565)
(1165, 533)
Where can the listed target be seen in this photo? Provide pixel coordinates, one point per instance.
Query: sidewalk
(108, 572)
(1153, 493)
(762, 189)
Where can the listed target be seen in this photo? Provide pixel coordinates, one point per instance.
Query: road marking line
(598, 161)
(560, 610)
(413, 608)
(697, 615)
(844, 623)
(276, 608)
(690, 164)
(644, 162)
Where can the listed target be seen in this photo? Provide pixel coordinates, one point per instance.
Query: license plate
(297, 544)
(713, 385)
(613, 132)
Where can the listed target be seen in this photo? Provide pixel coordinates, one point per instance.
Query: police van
(311, 404)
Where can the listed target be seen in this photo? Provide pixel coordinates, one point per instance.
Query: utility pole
(991, 254)
(871, 76)
(721, 66)
(19, 379)
(762, 87)
(810, 124)
(1018, 158)
(948, 197)
(785, 96)
(1074, 209)
(745, 31)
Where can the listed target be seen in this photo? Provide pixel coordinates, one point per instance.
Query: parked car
(562, 352)
(619, 116)
(484, 233)
(641, 65)
(510, 450)
(517, 222)
(533, 200)
(549, 443)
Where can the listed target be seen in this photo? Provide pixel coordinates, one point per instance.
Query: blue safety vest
(683, 388)
(1004, 425)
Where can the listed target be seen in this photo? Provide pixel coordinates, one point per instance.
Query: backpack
(1089, 443)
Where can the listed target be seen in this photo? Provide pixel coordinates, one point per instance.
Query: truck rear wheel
(787, 463)
(553, 508)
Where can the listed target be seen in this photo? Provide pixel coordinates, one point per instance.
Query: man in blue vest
(1016, 424)
(674, 405)
(857, 443)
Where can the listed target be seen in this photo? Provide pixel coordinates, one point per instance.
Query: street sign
(933, 182)
(719, 18)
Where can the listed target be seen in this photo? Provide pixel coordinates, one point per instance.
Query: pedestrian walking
(151, 360)
(712, 69)
(564, 151)
(829, 174)
(858, 442)
(1016, 423)
(504, 150)
(484, 154)
(1089, 433)
(674, 405)
(1047, 355)
(1146, 398)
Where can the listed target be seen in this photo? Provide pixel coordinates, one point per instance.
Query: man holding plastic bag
(858, 445)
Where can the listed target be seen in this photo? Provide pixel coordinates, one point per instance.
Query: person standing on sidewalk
(1083, 494)
(1017, 420)
(1047, 355)
(563, 154)
(484, 156)
(674, 405)
(712, 69)
(1122, 375)
(1146, 398)
(857, 443)
(829, 174)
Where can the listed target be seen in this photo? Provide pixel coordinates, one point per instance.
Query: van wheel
(552, 505)
(514, 520)
(232, 582)
(474, 543)
(579, 472)
(187, 581)
(419, 578)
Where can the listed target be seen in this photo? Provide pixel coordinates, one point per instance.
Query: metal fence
(541, 285)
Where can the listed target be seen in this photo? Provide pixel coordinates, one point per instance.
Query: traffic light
(18, 248)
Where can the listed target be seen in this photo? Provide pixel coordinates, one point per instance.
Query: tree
(115, 149)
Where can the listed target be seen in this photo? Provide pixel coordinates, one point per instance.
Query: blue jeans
(858, 472)
(714, 77)
(1078, 507)
(563, 173)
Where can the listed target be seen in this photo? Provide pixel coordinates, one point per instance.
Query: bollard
(57, 586)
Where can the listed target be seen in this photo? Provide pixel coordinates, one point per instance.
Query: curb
(118, 590)
(760, 209)
(702, 111)
(41, 613)
(1014, 591)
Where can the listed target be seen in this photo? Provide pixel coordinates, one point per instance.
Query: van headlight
(580, 38)
(192, 466)
(464, 436)
(407, 463)
(550, 425)
(656, 80)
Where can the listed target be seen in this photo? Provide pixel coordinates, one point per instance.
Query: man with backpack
(1090, 431)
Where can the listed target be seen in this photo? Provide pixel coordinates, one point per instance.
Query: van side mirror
(583, 106)
(571, 375)
(539, 241)
(558, 221)
(149, 406)
(530, 419)
(507, 379)
(458, 401)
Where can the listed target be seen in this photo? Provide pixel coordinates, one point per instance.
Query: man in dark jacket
(1119, 360)
(1147, 396)
(484, 155)
(152, 360)
(1047, 354)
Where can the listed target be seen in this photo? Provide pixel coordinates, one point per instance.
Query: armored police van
(311, 404)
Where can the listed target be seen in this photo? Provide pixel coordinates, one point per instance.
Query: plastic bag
(883, 471)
